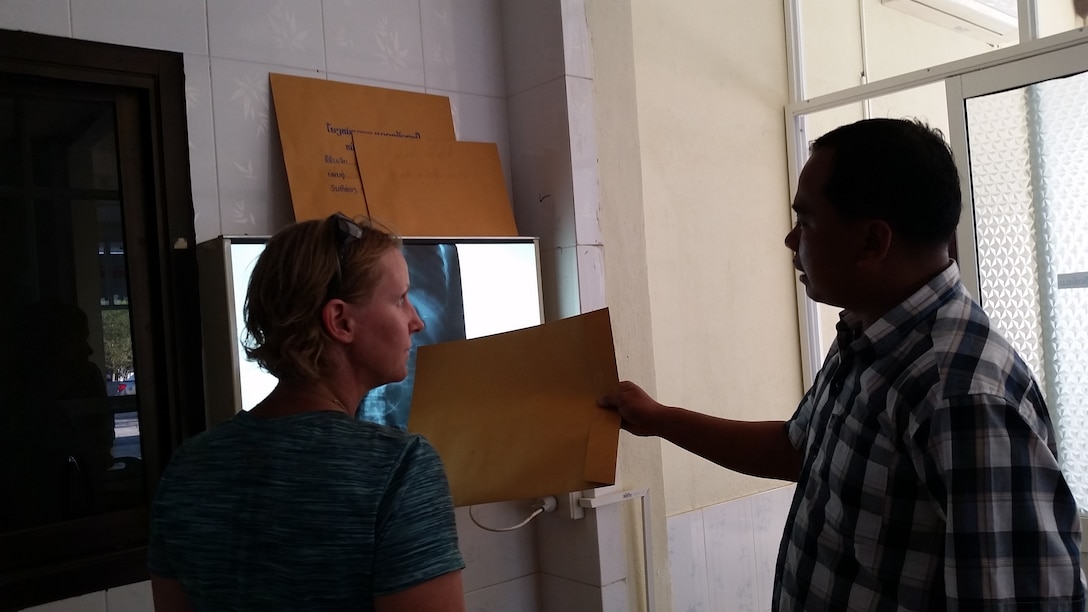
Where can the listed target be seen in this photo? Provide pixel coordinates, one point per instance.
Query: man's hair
(301, 268)
(897, 170)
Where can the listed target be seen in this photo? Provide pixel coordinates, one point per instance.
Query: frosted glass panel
(1005, 227)
(1029, 172)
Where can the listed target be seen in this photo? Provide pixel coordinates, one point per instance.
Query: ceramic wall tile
(615, 598)
(41, 16)
(253, 193)
(730, 557)
(769, 512)
(562, 595)
(481, 119)
(540, 164)
(577, 53)
(462, 46)
(173, 25)
(559, 269)
(590, 278)
(532, 43)
(578, 559)
(376, 39)
(522, 595)
(91, 602)
(202, 167)
(611, 542)
(282, 32)
(492, 558)
(130, 598)
(346, 78)
(687, 559)
(583, 155)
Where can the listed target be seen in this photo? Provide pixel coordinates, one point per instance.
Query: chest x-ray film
(460, 291)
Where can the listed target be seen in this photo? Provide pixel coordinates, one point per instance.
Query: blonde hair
(293, 280)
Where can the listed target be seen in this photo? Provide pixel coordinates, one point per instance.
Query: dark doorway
(100, 355)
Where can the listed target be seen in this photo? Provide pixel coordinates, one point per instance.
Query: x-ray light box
(461, 287)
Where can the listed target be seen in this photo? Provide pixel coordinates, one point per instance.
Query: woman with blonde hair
(296, 504)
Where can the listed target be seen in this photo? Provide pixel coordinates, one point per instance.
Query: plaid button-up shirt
(930, 478)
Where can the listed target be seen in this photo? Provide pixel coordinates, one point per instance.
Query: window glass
(1028, 161)
(69, 431)
(847, 43)
(1056, 16)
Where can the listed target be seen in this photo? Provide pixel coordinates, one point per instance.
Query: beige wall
(694, 207)
(622, 221)
(711, 83)
(698, 122)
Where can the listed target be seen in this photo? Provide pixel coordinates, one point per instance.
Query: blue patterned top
(930, 478)
(315, 511)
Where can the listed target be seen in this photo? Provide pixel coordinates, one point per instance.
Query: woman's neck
(298, 397)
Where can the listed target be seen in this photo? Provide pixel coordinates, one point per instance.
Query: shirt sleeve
(1012, 536)
(797, 425)
(416, 537)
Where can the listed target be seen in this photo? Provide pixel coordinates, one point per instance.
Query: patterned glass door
(1027, 156)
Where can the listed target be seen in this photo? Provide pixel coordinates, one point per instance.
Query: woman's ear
(336, 320)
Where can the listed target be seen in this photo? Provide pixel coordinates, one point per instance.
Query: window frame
(67, 559)
(813, 345)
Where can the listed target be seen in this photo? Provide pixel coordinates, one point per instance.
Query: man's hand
(641, 415)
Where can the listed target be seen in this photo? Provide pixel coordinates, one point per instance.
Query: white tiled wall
(723, 556)
(554, 149)
(447, 47)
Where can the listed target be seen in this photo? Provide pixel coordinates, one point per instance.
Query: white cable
(544, 504)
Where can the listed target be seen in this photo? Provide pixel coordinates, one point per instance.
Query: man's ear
(876, 241)
(336, 321)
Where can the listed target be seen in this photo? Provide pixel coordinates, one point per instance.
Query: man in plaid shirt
(925, 460)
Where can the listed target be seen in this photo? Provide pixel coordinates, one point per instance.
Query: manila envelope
(515, 415)
(316, 119)
(435, 187)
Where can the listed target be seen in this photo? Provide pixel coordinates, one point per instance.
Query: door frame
(70, 558)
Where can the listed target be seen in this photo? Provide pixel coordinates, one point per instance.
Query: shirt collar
(887, 332)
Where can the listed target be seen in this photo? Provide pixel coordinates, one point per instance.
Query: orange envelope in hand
(514, 415)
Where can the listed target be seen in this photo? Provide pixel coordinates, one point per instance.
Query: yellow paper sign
(434, 187)
(316, 120)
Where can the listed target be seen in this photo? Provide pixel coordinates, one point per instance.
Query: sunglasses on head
(347, 232)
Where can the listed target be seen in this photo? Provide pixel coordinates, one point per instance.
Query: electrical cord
(542, 505)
